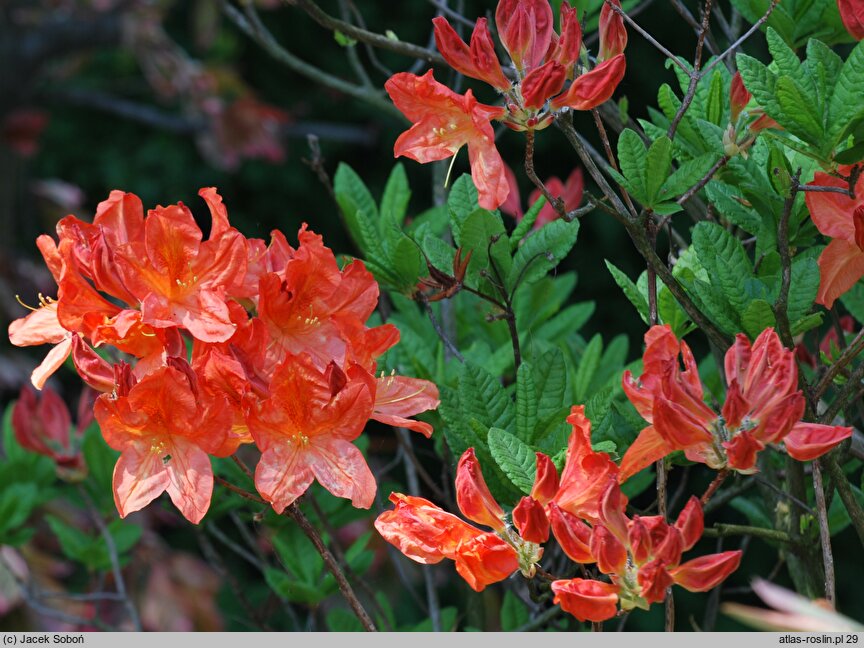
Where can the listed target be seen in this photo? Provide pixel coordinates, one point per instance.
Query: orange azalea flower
(398, 397)
(427, 534)
(444, 122)
(763, 406)
(641, 555)
(304, 430)
(841, 263)
(180, 280)
(164, 428)
(42, 327)
(313, 307)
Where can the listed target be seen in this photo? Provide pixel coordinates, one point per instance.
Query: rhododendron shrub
(255, 400)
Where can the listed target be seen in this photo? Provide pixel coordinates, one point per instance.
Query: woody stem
(294, 512)
(557, 203)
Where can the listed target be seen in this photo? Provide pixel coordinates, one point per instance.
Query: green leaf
(359, 209)
(757, 317)
(514, 614)
(550, 379)
(631, 292)
(725, 259)
(526, 402)
(716, 100)
(17, 502)
(846, 107)
(760, 82)
(541, 252)
(686, 175)
(588, 365)
(514, 457)
(632, 157)
(397, 193)
(462, 201)
(526, 223)
(803, 287)
(290, 589)
(484, 399)
(657, 164)
(478, 231)
(797, 111)
(788, 64)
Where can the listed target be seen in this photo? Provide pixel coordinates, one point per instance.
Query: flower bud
(739, 96)
(613, 35)
(525, 28)
(473, 496)
(542, 83)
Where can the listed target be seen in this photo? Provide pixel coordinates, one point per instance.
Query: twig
(378, 40)
(293, 511)
(434, 320)
(542, 619)
(781, 305)
(724, 530)
(692, 191)
(111, 546)
(556, 203)
(743, 38)
(824, 534)
(714, 485)
(844, 489)
(265, 39)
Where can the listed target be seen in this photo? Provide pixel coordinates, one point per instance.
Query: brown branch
(847, 495)
(692, 191)
(824, 534)
(743, 38)
(556, 203)
(293, 511)
(647, 36)
(781, 305)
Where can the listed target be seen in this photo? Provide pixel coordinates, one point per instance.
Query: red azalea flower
(763, 406)
(835, 215)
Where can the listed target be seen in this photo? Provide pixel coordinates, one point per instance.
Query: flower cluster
(533, 89)
(585, 510)
(763, 406)
(232, 341)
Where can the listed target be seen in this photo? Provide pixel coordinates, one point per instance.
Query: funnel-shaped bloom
(841, 218)
(304, 431)
(164, 429)
(444, 122)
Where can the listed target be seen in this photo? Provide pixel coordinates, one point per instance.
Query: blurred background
(161, 98)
